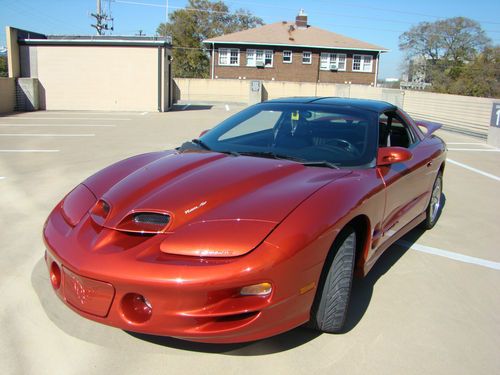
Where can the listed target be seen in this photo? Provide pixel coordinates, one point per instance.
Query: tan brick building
(294, 51)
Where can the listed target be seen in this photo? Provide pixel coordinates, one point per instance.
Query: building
(108, 73)
(294, 51)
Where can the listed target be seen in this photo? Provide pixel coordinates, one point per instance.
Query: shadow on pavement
(190, 107)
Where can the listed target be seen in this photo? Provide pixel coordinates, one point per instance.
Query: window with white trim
(260, 57)
(287, 57)
(306, 57)
(229, 56)
(362, 63)
(333, 61)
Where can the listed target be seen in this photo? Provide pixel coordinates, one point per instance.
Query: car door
(406, 183)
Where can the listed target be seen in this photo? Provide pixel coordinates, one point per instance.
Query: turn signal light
(262, 289)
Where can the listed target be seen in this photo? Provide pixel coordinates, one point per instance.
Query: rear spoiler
(430, 127)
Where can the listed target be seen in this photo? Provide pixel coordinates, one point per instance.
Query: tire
(433, 210)
(329, 310)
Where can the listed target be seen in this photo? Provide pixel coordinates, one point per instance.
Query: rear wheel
(329, 309)
(434, 208)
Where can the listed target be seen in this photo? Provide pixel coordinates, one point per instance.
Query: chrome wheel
(435, 199)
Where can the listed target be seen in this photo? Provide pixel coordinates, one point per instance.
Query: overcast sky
(378, 22)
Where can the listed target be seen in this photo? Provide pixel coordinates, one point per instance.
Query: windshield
(321, 135)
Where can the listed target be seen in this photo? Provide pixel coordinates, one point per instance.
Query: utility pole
(101, 24)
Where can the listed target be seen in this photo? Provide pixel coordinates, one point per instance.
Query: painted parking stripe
(469, 143)
(475, 149)
(227, 108)
(450, 255)
(44, 135)
(21, 151)
(475, 170)
(43, 118)
(58, 125)
(2, 178)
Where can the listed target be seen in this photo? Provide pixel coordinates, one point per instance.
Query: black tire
(329, 310)
(433, 210)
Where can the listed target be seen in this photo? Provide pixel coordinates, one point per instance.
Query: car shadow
(189, 107)
(361, 297)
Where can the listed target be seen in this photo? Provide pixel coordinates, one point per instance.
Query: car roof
(367, 104)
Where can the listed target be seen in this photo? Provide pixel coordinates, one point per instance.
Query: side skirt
(412, 224)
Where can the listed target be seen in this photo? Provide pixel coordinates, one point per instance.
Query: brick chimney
(301, 20)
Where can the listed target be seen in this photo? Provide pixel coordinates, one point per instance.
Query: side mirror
(391, 155)
(203, 133)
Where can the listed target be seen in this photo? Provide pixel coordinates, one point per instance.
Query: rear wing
(430, 127)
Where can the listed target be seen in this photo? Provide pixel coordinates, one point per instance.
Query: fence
(465, 114)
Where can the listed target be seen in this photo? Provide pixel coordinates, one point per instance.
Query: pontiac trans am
(254, 228)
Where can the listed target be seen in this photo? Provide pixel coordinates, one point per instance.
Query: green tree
(4, 72)
(448, 48)
(200, 20)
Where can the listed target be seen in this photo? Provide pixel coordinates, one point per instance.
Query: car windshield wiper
(270, 155)
(199, 142)
(320, 163)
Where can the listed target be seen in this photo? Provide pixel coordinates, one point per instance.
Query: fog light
(55, 275)
(262, 289)
(136, 308)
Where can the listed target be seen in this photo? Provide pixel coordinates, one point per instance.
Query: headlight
(76, 204)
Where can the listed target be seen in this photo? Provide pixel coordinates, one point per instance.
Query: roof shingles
(287, 34)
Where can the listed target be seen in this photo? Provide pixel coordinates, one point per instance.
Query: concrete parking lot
(431, 305)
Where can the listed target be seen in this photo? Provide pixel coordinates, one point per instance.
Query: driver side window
(394, 131)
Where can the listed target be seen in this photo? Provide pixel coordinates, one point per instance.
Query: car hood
(207, 186)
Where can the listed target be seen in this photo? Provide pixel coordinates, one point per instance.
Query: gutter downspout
(376, 69)
(159, 80)
(213, 60)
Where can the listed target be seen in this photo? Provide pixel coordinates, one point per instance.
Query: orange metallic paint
(273, 221)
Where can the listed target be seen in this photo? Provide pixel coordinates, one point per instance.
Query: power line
(285, 8)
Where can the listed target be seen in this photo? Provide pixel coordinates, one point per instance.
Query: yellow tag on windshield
(295, 115)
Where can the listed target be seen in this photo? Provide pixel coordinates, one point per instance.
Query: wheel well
(441, 168)
(361, 225)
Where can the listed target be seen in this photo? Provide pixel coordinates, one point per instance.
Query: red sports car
(253, 229)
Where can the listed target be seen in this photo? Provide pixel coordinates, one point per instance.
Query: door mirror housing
(391, 155)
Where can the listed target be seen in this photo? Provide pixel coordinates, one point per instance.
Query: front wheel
(329, 309)
(433, 210)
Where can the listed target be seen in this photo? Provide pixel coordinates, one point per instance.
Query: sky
(377, 22)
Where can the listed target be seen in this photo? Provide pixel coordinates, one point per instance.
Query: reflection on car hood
(199, 186)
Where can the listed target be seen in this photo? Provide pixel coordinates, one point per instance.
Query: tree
(448, 49)
(200, 20)
(454, 39)
(4, 72)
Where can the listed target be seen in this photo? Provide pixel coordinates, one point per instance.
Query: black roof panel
(367, 104)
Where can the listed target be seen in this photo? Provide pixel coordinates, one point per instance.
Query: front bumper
(190, 298)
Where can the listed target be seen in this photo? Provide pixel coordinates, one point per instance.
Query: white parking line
(44, 135)
(2, 178)
(58, 125)
(469, 143)
(29, 150)
(475, 149)
(451, 255)
(43, 118)
(227, 108)
(486, 174)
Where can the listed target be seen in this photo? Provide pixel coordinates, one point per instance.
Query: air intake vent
(145, 222)
(152, 218)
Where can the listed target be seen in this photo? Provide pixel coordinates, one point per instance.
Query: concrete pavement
(416, 312)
